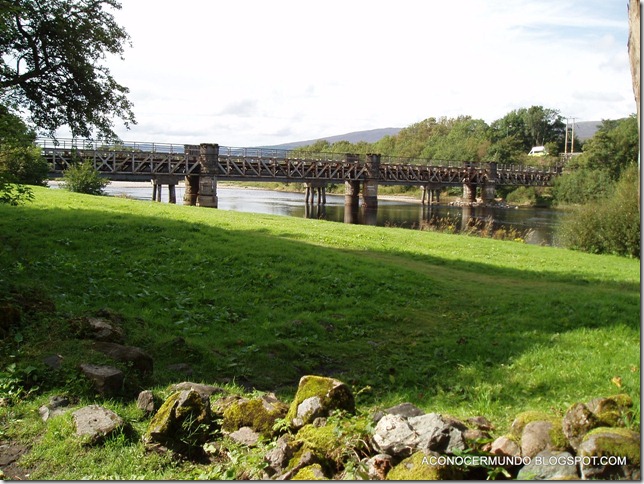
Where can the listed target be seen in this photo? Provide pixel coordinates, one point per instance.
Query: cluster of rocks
(319, 436)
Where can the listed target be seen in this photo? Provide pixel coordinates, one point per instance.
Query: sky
(260, 72)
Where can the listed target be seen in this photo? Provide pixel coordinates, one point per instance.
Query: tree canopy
(51, 54)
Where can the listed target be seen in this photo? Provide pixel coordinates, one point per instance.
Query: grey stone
(550, 465)
(394, 435)
(309, 410)
(505, 446)
(577, 422)
(535, 438)
(245, 436)
(139, 359)
(101, 329)
(95, 423)
(277, 459)
(107, 380)
(439, 434)
(400, 437)
(379, 466)
(145, 401)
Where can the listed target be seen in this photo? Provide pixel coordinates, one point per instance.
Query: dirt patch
(10, 453)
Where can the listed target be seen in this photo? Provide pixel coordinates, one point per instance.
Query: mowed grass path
(454, 324)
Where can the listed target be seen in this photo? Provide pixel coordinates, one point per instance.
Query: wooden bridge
(202, 165)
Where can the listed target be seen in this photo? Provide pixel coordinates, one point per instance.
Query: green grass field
(451, 323)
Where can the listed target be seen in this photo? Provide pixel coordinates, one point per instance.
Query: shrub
(582, 185)
(84, 178)
(607, 226)
(25, 164)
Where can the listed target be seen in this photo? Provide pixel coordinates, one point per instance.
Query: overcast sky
(264, 72)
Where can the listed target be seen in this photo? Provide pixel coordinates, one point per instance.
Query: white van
(538, 151)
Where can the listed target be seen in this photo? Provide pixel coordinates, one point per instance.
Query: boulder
(101, 329)
(550, 465)
(379, 466)
(278, 457)
(316, 397)
(260, 414)
(138, 358)
(182, 424)
(610, 453)
(245, 436)
(577, 422)
(145, 401)
(505, 446)
(535, 438)
(94, 423)
(400, 437)
(108, 381)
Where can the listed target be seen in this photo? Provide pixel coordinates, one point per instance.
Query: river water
(534, 225)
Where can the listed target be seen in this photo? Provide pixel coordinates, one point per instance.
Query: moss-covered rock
(260, 414)
(313, 472)
(607, 443)
(612, 411)
(316, 397)
(423, 467)
(183, 423)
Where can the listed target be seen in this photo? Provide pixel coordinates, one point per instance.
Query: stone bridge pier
(201, 190)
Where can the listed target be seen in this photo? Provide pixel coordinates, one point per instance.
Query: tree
(50, 54)
(613, 148)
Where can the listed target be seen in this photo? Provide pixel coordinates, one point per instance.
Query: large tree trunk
(634, 10)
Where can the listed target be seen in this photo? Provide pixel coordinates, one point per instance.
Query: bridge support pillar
(315, 187)
(370, 185)
(157, 184)
(469, 194)
(351, 193)
(207, 196)
(488, 192)
(431, 195)
(192, 189)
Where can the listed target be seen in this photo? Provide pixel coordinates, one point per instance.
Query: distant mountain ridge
(583, 130)
(368, 136)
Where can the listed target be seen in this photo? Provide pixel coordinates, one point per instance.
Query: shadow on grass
(263, 310)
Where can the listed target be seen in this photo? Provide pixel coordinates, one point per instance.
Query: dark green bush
(83, 178)
(610, 225)
(25, 164)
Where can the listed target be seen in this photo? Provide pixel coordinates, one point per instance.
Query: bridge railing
(74, 144)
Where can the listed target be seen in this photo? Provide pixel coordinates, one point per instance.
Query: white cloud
(249, 72)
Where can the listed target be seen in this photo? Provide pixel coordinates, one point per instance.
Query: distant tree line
(507, 140)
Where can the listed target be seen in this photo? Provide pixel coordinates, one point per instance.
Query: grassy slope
(452, 323)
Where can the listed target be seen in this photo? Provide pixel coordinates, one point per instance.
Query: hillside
(368, 136)
(583, 130)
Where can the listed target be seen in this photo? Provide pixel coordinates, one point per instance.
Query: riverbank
(453, 324)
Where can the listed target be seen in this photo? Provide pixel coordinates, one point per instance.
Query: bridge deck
(148, 161)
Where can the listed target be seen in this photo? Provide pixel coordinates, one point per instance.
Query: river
(534, 225)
